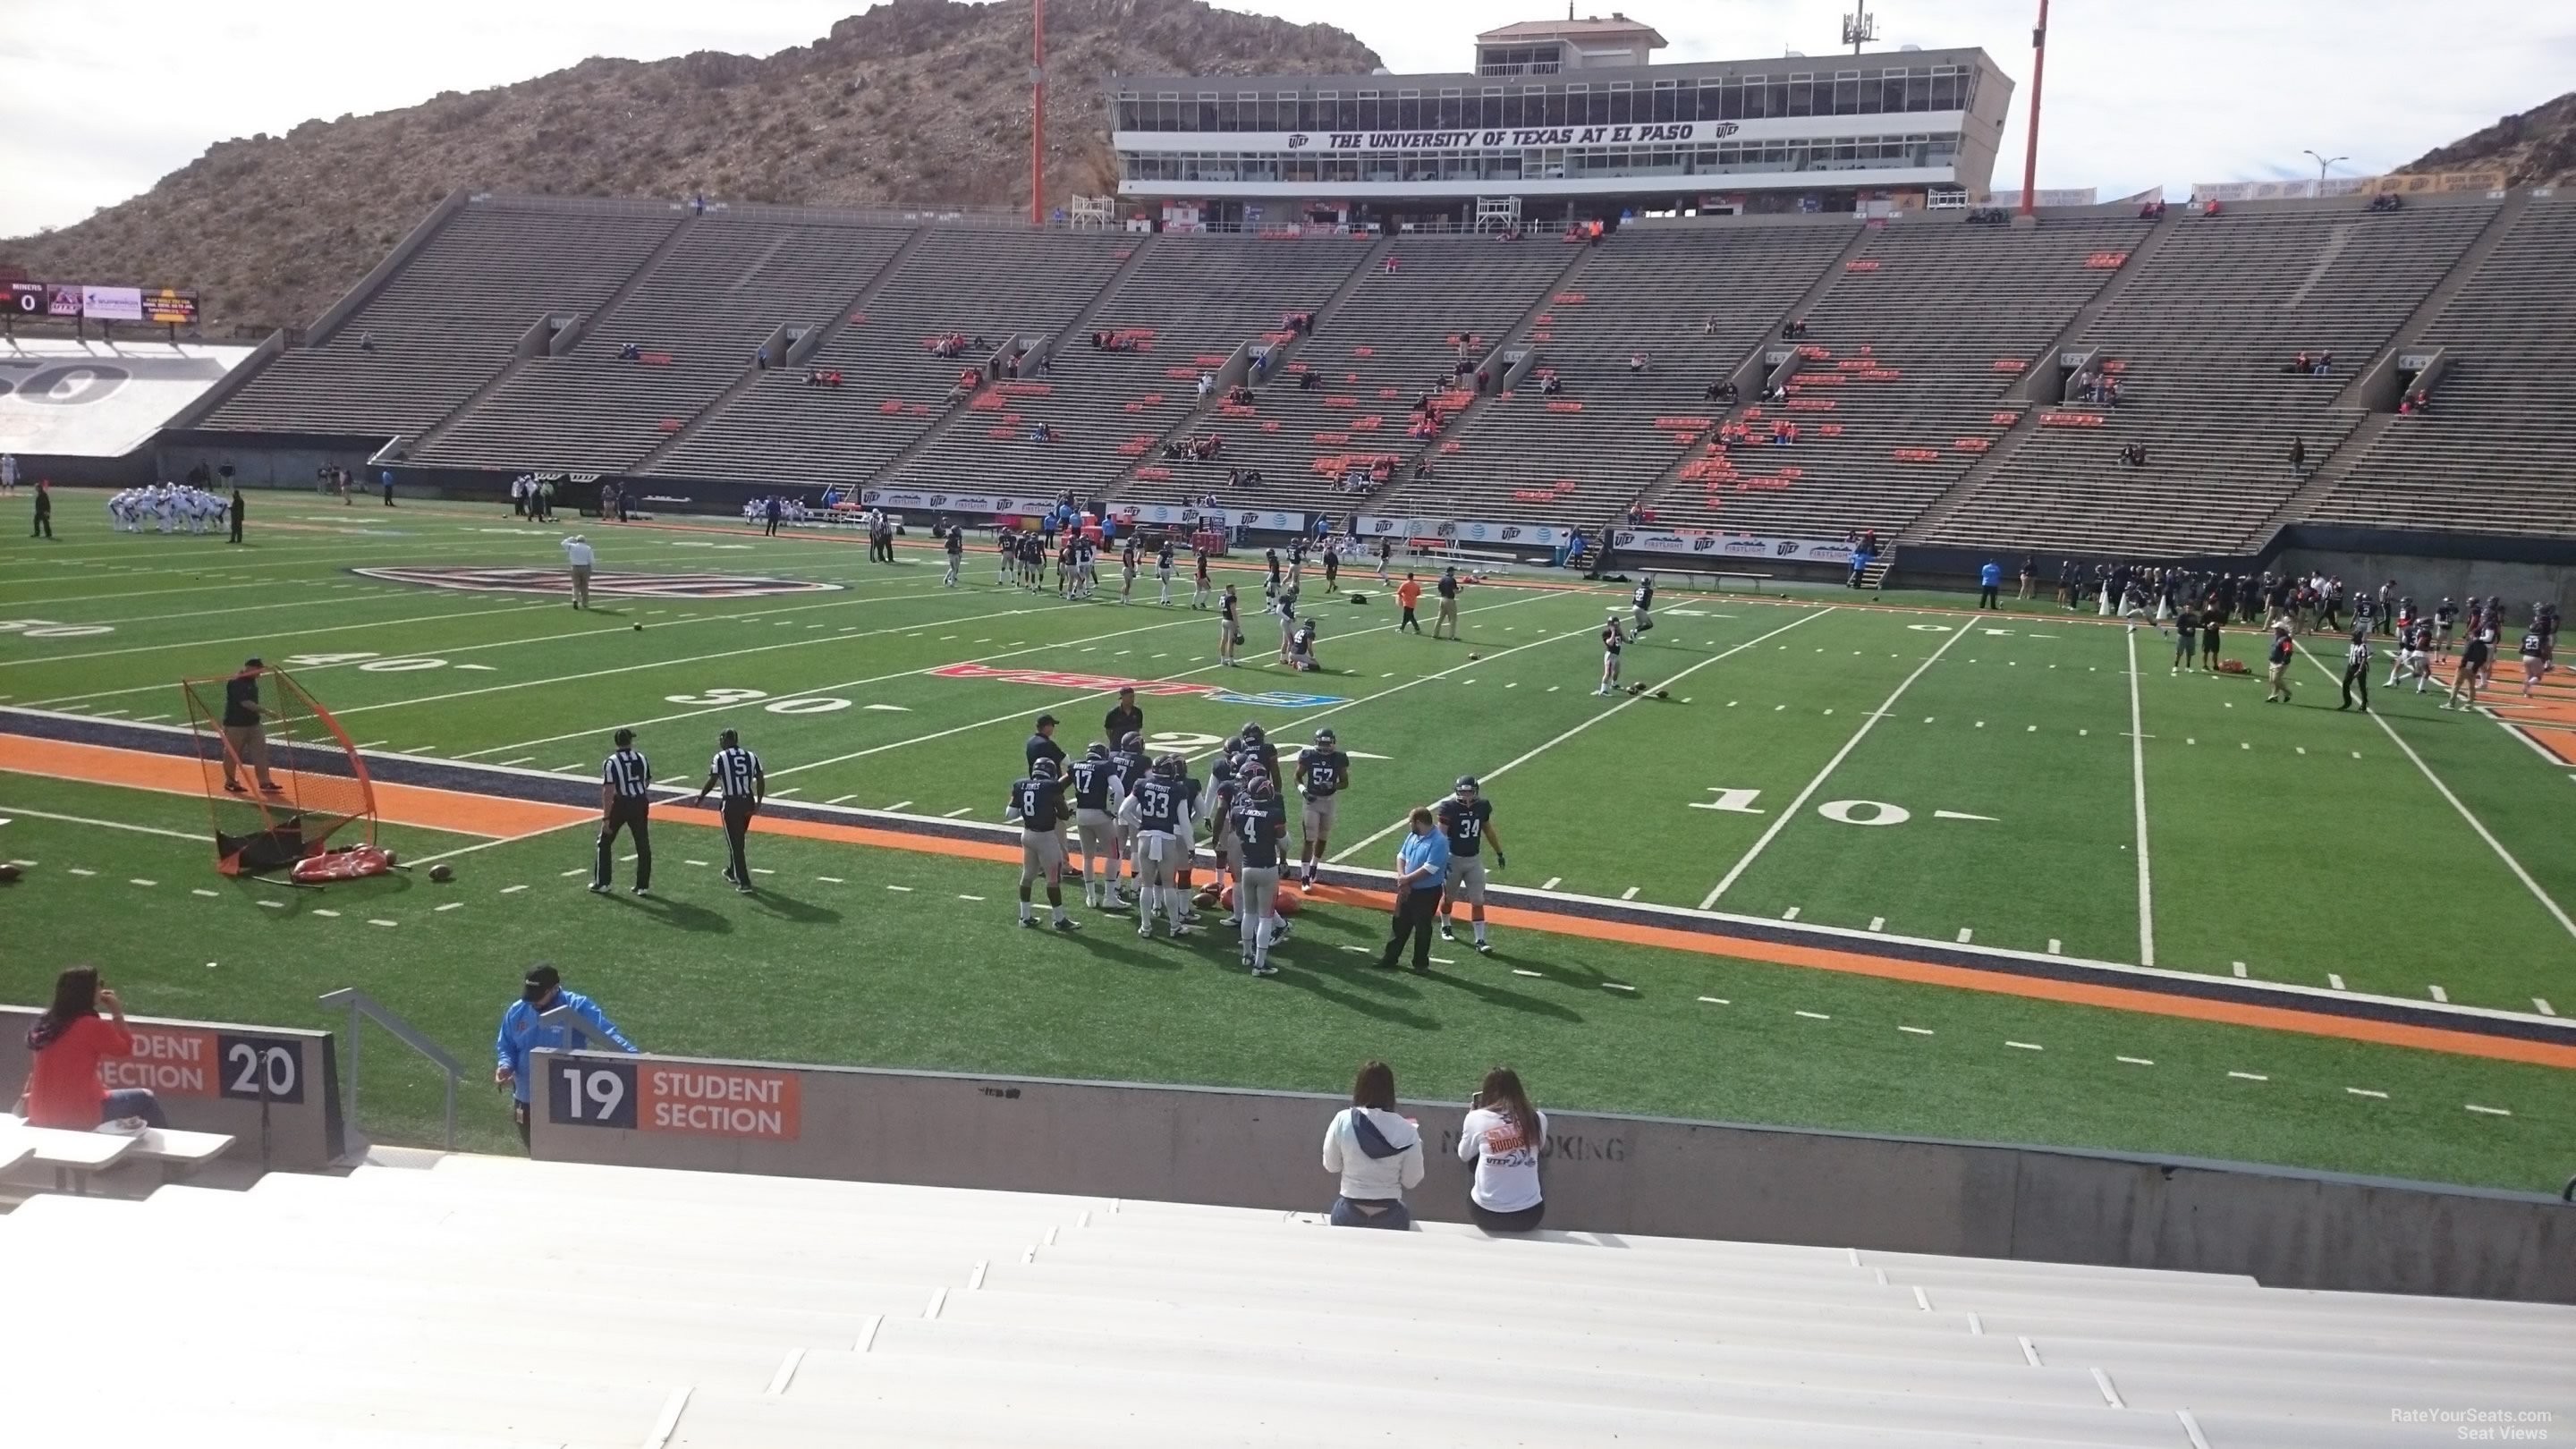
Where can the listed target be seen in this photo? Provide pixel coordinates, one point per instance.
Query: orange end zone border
(501, 818)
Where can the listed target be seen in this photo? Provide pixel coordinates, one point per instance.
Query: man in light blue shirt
(1989, 579)
(521, 1033)
(1421, 864)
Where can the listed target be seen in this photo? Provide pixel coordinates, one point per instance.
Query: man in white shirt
(8, 474)
(577, 553)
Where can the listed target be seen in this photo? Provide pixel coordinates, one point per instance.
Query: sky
(2165, 91)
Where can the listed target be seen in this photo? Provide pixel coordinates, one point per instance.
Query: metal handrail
(360, 1004)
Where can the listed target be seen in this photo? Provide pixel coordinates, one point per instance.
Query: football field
(1823, 781)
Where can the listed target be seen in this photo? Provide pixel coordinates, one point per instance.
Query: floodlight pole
(1037, 112)
(2323, 163)
(2030, 153)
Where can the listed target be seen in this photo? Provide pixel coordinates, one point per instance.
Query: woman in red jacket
(68, 1042)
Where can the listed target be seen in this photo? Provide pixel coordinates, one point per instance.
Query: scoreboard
(75, 301)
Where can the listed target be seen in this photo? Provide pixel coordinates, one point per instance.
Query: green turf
(2305, 844)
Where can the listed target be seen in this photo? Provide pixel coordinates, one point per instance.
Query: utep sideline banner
(1743, 546)
(1463, 530)
(1601, 1173)
(211, 1076)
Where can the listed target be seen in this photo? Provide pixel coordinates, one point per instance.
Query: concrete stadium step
(598, 1179)
(396, 1194)
(2221, 1332)
(1465, 1402)
(160, 1427)
(1459, 1365)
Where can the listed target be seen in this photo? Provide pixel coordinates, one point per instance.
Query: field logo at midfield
(1103, 683)
(627, 586)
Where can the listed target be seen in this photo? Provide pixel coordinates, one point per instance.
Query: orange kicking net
(281, 777)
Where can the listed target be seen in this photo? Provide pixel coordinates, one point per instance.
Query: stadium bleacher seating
(1913, 356)
(1695, 301)
(894, 384)
(490, 1302)
(2202, 342)
(695, 320)
(445, 323)
(1188, 304)
(2489, 458)
(1398, 336)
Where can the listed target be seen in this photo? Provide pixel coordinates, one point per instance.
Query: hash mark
(2438, 993)
(1916, 1030)
(899, 804)
(2490, 1111)
(1964, 934)
(2250, 1076)
(1877, 922)
(2028, 1046)
(201, 891)
(837, 799)
(2136, 1061)
(452, 906)
(274, 905)
(907, 890)
(1549, 884)
(1516, 971)
(2366, 1092)
(1815, 1016)
(831, 880)
(2240, 969)
(1717, 1001)
(2541, 1005)
(138, 880)
(505, 890)
(2053, 945)
(76, 870)
(1790, 914)
(381, 922)
(1629, 894)
(1616, 986)
(2334, 981)
(960, 810)
(335, 915)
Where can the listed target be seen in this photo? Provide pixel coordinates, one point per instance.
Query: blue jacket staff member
(521, 1033)
(1421, 865)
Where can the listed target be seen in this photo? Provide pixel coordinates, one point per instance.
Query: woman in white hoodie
(1377, 1153)
(1502, 1136)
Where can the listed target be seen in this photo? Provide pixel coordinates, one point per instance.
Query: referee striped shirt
(625, 773)
(737, 773)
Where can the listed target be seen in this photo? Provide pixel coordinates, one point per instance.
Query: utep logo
(936, 500)
(629, 586)
(1297, 141)
(1703, 544)
(1103, 683)
(1785, 547)
(1510, 533)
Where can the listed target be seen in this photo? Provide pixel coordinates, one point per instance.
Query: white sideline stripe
(1781, 822)
(667, 1423)
(15, 811)
(2138, 789)
(1590, 720)
(2475, 824)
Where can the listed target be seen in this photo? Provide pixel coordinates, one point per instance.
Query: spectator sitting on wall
(67, 1044)
(630, 352)
(366, 342)
(1377, 1153)
(1503, 1137)
(1041, 433)
(1549, 384)
(1794, 327)
(2417, 403)
(1636, 362)
(2302, 364)
(1309, 380)
(1389, 268)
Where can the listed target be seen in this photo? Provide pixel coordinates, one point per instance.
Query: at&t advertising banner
(1744, 547)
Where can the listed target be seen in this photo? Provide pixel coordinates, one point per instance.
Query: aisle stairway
(491, 1302)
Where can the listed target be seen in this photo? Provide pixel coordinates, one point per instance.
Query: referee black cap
(624, 738)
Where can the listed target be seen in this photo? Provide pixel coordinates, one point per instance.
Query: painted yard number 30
(807, 705)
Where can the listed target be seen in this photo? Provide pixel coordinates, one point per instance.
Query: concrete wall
(2428, 579)
(209, 1076)
(1603, 1173)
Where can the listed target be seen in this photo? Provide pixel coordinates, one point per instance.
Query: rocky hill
(2536, 148)
(915, 101)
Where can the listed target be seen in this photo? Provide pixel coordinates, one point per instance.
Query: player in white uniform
(165, 504)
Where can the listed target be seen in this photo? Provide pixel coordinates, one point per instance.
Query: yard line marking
(2136, 1061)
(1965, 935)
(335, 915)
(15, 811)
(831, 880)
(1916, 1030)
(898, 805)
(2474, 823)
(274, 905)
(1790, 914)
(1549, 884)
(1717, 1001)
(762, 870)
(1590, 720)
(1629, 894)
(512, 890)
(202, 891)
(2138, 789)
(2239, 967)
(1780, 822)
(523, 759)
(790, 790)
(372, 744)
(381, 921)
(2541, 1005)
(2366, 1092)
(2028, 1046)
(2334, 981)
(452, 906)
(1815, 1016)
(2053, 945)
(2438, 993)
(576, 870)
(138, 880)
(907, 890)
(1877, 922)
(2490, 1111)
(960, 810)
(1516, 971)
(1616, 986)
(2250, 1076)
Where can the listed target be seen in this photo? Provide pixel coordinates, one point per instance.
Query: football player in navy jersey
(1224, 792)
(1127, 571)
(1096, 827)
(1194, 808)
(1157, 812)
(1467, 818)
(1260, 825)
(1229, 623)
(1323, 772)
(1163, 570)
(1612, 640)
(1037, 803)
(1126, 767)
(1644, 599)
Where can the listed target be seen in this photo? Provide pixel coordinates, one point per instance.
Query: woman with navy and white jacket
(1503, 1136)
(1377, 1153)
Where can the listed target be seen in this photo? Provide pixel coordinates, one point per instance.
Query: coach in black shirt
(1126, 719)
(1042, 745)
(625, 801)
(245, 730)
(745, 786)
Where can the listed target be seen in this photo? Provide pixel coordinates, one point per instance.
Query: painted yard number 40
(1841, 812)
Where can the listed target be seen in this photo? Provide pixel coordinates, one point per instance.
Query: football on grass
(441, 873)
(8, 872)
